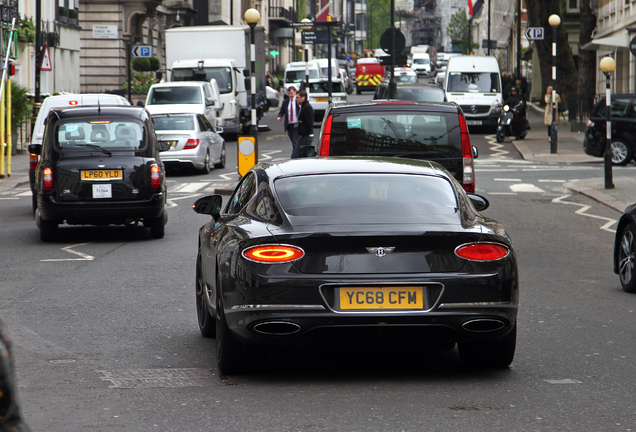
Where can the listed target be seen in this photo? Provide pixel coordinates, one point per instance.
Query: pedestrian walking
(306, 119)
(547, 117)
(289, 111)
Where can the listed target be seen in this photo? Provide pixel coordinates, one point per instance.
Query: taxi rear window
(92, 133)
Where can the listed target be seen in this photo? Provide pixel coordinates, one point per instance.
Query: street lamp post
(252, 17)
(308, 27)
(608, 65)
(554, 22)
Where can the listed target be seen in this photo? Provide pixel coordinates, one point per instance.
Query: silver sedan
(193, 141)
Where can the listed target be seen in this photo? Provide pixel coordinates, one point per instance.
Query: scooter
(507, 120)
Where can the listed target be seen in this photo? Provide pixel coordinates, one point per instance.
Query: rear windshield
(91, 134)
(365, 194)
(296, 76)
(406, 78)
(174, 122)
(222, 75)
(175, 95)
(620, 108)
(321, 87)
(478, 82)
(406, 134)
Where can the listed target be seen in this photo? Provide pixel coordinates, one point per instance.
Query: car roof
(105, 111)
(394, 105)
(180, 84)
(348, 165)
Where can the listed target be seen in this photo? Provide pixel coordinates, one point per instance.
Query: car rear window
(479, 82)
(365, 194)
(175, 95)
(90, 134)
(393, 133)
(297, 76)
(421, 94)
(174, 122)
(620, 108)
(321, 87)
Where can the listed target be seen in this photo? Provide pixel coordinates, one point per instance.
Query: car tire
(207, 163)
(621, 152)
(47, 230)
(497, 354)
(157, 227)
(207, 323)
(626, 259)
(358, 91)
(34, 203)
(500, 136)
(228, 349)
(221, 163)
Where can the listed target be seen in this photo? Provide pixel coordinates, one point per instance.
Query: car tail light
(155, 176)
(590, 123)
(273, 253)
(33, 161)
(468, 180)
(47, 179)
(325, 139)
(482, 251)
(191, 143)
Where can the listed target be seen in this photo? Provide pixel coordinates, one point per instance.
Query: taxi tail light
(33, 161)
(47, 179)
(155, 176)
(325, 140)
(191, 143)
(468, 180)
(482, 251)
(273, 253)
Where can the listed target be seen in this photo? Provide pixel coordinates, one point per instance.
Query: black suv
(99, 166)
(623, 119)
(434, 131)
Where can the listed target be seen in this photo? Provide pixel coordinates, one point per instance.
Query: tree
(458, 30)
(587, 60)
(567, 76)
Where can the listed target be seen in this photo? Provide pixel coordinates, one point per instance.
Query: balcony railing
(288, 14)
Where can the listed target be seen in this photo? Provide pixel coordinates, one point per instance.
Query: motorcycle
(507, 119)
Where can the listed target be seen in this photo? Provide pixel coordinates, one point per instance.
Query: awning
(614, 41)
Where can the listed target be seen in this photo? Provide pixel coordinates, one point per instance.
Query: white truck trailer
(200, 53)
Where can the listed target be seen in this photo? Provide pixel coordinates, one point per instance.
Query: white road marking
(188, 187)
(84, 257)
(27, 193)
(170, 203)
(582, 211)
(507, 180)
(551, 181)
(9, 198)
(266, 155)
(525, 187)
(502, 193)
(495, 147)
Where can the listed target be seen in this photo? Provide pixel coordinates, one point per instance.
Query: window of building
(574, 6)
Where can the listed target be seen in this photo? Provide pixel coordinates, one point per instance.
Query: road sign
(142, 51)
(247, 154)
(400, 60)
(534, 33)
(315, 37)
(385, 41)
(632, 45)
(46, 60)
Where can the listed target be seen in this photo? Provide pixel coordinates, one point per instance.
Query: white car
(318, 95)
(196, 97)
(405, 74)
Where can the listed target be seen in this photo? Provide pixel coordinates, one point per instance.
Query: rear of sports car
(395, 255)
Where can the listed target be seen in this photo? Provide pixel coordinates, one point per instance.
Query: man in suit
(306, 122)
(289, 111)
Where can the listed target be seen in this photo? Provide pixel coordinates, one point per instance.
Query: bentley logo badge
(473, 109)
(380, 251)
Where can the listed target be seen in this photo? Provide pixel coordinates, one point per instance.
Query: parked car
(99, 166)
(318, 95)
(625, 248)
(183, 97)
(434, 131)
(345, 249)
(419, 92)
(192, 139)
(63, 101)
(623, 114)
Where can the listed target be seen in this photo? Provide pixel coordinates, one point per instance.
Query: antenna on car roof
(99, 107)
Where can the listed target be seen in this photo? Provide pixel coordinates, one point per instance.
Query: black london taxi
(99, 165)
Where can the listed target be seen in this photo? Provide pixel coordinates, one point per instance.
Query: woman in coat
(547, 118)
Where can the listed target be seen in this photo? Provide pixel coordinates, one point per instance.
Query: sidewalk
(19, 172)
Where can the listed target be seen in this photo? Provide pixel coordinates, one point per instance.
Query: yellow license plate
(322, 99)
(368, 298)
(101, 175)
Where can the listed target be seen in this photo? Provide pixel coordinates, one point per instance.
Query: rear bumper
(592, 146)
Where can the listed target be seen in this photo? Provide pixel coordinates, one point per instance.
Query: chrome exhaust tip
(277, 328)
(483, 325)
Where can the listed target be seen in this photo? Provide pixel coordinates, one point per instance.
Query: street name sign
(535, 33)
(315, 37)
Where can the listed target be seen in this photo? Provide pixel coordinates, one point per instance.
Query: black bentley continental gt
(323, 249)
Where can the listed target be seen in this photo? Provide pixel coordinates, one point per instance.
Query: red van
(369, 74)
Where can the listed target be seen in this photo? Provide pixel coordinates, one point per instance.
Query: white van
(421, 63)
(177, 97)
(474, 83)
(323, 65)
(295, 73)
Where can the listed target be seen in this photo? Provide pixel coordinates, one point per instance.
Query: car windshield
(479, 82)
(423, 61)
(410, 134)
(321, 87)
(177, 95)
(222, 75)
(296, 76)
(100, 134)
(183, 122)
(406, 78)
(363, 194)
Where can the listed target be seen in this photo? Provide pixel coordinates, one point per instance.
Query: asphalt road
(106, 339)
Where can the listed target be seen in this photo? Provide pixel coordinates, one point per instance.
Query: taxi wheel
(207, 323)
(47, 230)
(358, 91)
(34, 203)
(489, 354)
(228, 349)
(157, 227)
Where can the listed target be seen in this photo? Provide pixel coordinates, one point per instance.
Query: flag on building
(474, 6)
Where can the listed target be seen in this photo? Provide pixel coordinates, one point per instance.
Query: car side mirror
(209, 205)
(475, 152)
(246, 73)
(35, 148)
(219, 129)
(248, 84)
(307, 151)
(209, 102)
(479, 202)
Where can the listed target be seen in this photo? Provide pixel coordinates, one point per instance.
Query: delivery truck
(200, 53)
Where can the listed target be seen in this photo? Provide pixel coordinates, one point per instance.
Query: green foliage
(146, 64)
(379, 19)
(458, 31)
(73, 13)
(140, 83)
(26, 31)
(21, 109)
